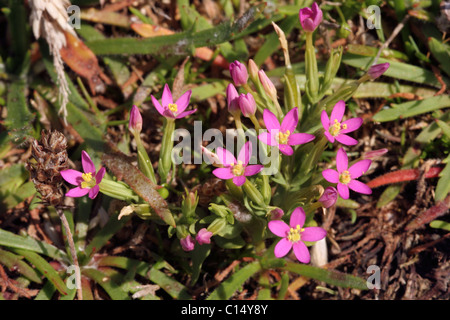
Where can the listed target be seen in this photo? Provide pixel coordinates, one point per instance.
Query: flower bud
(329, 197)
(232, 100)
(253, 70)
(239, 73)
(187, 243)
(374, 154)
(268, 86)
(189, 203)
(247, 104)
(310, 18)
(204, 236)
(377, 70)
(135, 123)
(212, 158)
(276, 214)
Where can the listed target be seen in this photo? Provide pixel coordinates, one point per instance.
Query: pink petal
(225, 156)
(77, 192)
(94, 191)
(317, 14)
(290, 121)
(329, 136)
(245, 153)
(343, 191)
(297, 218)
(183, 101)
(345, 139)
(352, 125)
(268, 138)
(279, 228)
(169, 114)
(282, 248)
(359, 168)
(239, 180)
(331, 175)
(253, 169)
(360, 187)
(185, 114)
(308, 24)
(301, 252)
(270, 120)
(158, 107)
(223, 173)
(88, 165)
(338, 111)
(286, 149)
(325, 120)
(166, 96)
(312, 234)
(300, 138)
(100, 174)
(341, 160)
(72, 176)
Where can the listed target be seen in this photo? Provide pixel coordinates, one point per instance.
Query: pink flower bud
(135, 123)
(329, 197)
(239, 73)
(204, 236)
(232, 99)
(377, 70)
(253, 69)
(310, 18)
(247, 104)
(268, 86)
(187, 243)
(276, 214)
(374, 154)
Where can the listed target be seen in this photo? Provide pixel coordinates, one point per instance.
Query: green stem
(144, 162)
(311, 68)
(165, 157)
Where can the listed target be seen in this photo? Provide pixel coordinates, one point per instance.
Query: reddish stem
(403, 175)
(429, 215)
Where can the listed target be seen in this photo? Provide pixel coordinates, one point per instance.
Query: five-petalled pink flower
(294, 235)
(238, 169)
(345, 177)
(336, 129)
(87, 182)
(283, 135)
(167, 108)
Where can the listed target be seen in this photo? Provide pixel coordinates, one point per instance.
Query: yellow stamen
(88, 180)
(237, 169)
(294, 234)
(283, 137)
(173, 107)
(345, 177)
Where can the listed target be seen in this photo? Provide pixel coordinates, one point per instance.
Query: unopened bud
(187, 243)
(329, 197)
(239, 73)
(253, 70)
(232, 100)
(268, 86)
(377, 70)
(135, 123)
(247, 104)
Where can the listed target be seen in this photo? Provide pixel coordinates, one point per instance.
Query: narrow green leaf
(109, 285)
(172, 287)
(441, 52)
(439, 224)
(443, 185)
(15, 262)
(227, 288)
(444, 126)
(47, 292)
(199, 255)
(45, 268)
(389, 194)
(329, 276)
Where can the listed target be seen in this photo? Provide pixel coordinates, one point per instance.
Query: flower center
(336, 128)
(283, 137)
(345, 177)
(173, 107)
(294, 234)
(237, 169)
(88, 180)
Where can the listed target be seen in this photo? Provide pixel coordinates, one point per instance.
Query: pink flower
(238, 169)
(247, 104)
(135, 123)
(276, 214)
(172, 110)
(294, 234)
(336, 129)
(203, 236)
(310, 18)
(187, 243)
(239, 73)
(329, 197)
(283, 135)
(377, 70)
(232, 99)
(87, 182)
(346, 177)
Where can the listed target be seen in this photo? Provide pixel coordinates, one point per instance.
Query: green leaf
(9, 239)
(444, 126)
(172, 287)
(389, 194)
(109, 285)
(227, 288)
(332, 277)
(15, 262)
(45, 268)
(443, 185)
(199, 254)
(439, 224)
(441, 52)
(412, 108)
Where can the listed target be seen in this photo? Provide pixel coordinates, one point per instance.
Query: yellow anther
(294, 234)
(283, 137)
(336, 128)
(345, 177)
(173, 107)
(237, 169)
(88, 180)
